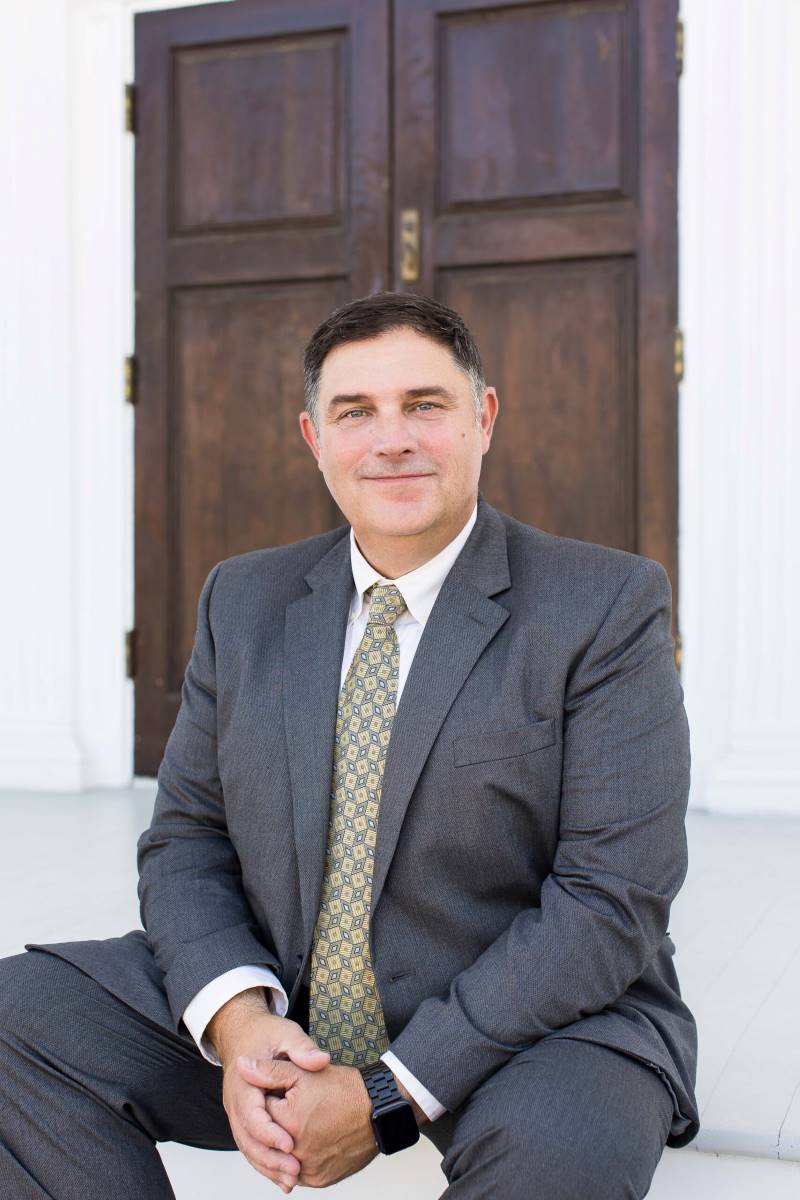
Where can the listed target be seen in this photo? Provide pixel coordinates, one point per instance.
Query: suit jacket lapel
(314, 633)
(462, 623)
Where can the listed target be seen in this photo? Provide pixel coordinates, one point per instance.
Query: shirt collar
(420, 587)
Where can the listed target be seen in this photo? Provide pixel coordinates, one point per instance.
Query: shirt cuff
(219, 991)
(428, 1103)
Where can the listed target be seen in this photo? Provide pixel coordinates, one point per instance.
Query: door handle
(409, 245)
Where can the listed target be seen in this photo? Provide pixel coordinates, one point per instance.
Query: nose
(393, 436)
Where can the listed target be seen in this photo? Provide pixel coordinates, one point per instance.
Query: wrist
(394, 1114)
(420, 1114)
(362, 1100)
(229, 1021)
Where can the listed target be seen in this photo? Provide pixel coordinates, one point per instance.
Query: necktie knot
(385, 604)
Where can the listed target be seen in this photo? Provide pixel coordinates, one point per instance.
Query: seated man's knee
(23, 986)
(563, 1121)
(512, 1158)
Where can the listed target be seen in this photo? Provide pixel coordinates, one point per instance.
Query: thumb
(267, 1072)
(304, 1052)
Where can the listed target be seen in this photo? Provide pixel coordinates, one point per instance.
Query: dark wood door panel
(537, 141)
(515, 123)
(534, 235)
(262, 202)
(534, 103)
(241, 475)
(242, 116)
(263, 131)
(559, 344)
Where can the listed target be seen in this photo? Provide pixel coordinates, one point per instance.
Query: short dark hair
(379, 313)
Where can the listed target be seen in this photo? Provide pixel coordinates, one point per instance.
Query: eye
(423, 404)
(351, 412)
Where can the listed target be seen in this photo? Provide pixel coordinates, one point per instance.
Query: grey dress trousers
(88, 1086)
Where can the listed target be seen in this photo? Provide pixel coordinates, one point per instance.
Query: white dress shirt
(419, 589)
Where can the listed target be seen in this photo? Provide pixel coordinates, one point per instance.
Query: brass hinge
(679, 364)
(130, 108)
(679, 46)
(130, 654)
(678, 652)
(131, 380)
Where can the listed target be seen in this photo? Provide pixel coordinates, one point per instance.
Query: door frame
(100, 47)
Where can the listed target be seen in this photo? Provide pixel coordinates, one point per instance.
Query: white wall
(739, 431)
(38, 734)
(66, 460)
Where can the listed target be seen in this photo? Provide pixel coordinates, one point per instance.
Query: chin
(399, 524)
(400, 528)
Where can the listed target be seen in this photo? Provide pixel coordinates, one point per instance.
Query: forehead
(401, 359)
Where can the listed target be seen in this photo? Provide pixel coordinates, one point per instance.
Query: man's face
(398, 443)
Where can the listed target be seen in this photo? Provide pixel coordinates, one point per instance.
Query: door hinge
(679, 46)
(679, 363)
(678, 652)
(130, 654)
(131, 380)
(130, 108)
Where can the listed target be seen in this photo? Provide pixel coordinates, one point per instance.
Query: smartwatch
(393, 1121)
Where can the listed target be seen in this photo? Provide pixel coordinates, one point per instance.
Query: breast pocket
(503, 743)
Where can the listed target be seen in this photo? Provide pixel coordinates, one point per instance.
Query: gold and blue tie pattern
(345, 1013)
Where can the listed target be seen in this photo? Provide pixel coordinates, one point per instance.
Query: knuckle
(262, 1163)
(277, 1161)
(263, 1171)
(276, 1139)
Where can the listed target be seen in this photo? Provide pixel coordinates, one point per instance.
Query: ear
(489, 408)
(309, 434)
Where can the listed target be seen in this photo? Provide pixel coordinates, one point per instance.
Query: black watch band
(393, 1121)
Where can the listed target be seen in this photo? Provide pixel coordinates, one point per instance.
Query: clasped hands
(296, 1117)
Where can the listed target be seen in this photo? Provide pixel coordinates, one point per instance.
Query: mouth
(397, 478)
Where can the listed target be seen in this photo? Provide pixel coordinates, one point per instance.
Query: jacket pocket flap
(503, 743)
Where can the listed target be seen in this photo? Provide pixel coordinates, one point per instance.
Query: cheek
(339, 459)
(456, 452)
(447, 446)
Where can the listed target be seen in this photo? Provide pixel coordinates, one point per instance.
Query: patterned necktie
(345, 1013)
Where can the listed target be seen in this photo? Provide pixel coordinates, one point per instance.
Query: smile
(395, 478)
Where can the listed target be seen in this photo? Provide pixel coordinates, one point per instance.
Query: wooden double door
(516, 160)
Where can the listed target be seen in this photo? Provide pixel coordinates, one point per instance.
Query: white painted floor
(69, 871)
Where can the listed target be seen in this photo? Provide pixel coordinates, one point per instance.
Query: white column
(39, 743)
(740, 483)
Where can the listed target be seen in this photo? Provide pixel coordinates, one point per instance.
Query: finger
(280, 1168)
(267, 1072)
(262, 1126)
(301, 1050)
(272, 1170)
(279, 1110)
(247, 1109)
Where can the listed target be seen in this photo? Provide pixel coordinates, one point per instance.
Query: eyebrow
(434, 389)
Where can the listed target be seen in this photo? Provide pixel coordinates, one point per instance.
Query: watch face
(396, 1127)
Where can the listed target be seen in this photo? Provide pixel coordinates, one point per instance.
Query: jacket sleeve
(191, 900)
(620, 860)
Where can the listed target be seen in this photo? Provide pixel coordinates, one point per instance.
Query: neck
(396, 556)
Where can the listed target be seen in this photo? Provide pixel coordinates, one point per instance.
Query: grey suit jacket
(531, 835)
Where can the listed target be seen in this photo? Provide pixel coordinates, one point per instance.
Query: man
(418, 828)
